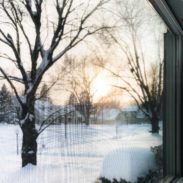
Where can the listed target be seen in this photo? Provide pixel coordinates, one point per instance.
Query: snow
(128, 163)
(22, 122)
(30, 152)
(23, 99)
(30, 87)
(34, 13)
(45, 60)
(81, 156)
(31, 117)
(44, 63)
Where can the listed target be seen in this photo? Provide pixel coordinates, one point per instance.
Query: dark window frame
(173, 92)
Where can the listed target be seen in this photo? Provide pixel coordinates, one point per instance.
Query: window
(83, 88)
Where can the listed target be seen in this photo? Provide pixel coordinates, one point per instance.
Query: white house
(131, 114)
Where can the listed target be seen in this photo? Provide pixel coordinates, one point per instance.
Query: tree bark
(87, 120)
(87, 113)
(29, 143)
(155, 124)
(29, 148)
(87, 116)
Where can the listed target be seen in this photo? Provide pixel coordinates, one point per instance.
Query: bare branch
(49, 88)
(13, 78)
(53, 118)
(11, 84)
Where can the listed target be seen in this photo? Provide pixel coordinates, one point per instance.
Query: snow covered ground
(78, 157)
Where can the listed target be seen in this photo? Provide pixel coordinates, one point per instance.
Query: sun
(101, 87)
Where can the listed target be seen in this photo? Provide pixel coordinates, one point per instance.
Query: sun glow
(101, 87)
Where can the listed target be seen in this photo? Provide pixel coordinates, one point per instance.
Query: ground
(78, 157)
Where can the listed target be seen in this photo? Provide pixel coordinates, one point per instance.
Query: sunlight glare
(101, 87)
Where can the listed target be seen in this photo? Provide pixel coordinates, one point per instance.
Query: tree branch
(42, 127)
(12, 85)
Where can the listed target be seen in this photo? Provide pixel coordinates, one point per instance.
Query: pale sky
(93, 45)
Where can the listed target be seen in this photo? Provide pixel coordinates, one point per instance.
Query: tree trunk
(87, 120)
(155, 124)
(29, 143)
(86, 114)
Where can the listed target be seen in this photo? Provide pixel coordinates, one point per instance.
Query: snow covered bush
(128, 164)
(158, 151)
(151, 177)
(139, 172)
(155, 175)
(104, 180)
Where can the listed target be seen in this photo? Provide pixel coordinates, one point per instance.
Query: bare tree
(144, 83)
(149, 97)
(67, 25)
(80, 83)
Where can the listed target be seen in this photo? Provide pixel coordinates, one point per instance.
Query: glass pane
(81, 91)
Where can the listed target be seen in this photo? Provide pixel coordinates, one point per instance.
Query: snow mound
(128, 163)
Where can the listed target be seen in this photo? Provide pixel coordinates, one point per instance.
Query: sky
(96, 46)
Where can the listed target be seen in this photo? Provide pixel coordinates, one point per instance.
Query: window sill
(172, 180)
(180, 180)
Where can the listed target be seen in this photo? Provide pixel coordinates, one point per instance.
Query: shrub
(153, 176)
(104, 180)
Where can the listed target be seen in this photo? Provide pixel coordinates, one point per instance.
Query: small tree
(85, 106)
(6, 104)
(82, 103)
(72, 100)
(79, 82)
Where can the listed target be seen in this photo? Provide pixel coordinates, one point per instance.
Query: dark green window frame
(172, 129)
(173, 95)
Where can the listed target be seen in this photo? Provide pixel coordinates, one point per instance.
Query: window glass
(81, 91)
